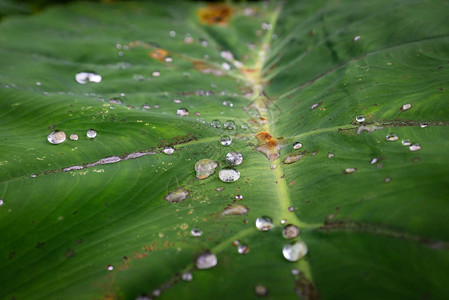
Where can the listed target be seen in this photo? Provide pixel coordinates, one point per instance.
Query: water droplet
(388, 179)
(226, 140)
(115, 101)
(91, 133)
(168, 59)
(291, 209)
(196, 232)
(293, 157)
(405, 107)
(228, 174)
(415, 147)
(235, 210)
(245, 126)
(1, 202)
(349, 170)
(227, 55)
(38, 83)
(86, 77)
(236, 243)
(182, 112)
(360, 118)
(424, 124)
(226, 66)
(264, 223)
(238, 197)
(266, 26)
(392, 137)
(215, 123)
(177, 100)
(177, 195)
(206, 261)
(203, 42)
(294, 252)
(290, 231)
(373, 161)
(260, 290)
(315, 105)
(188, 39)
(73, 137)
(156, 73)
(330, 155)
(234, 158)
(356, 38)
(229, 124)
(168, 150)
(406, 142)
(243, 249)
(295, 272)
(156, 293)
(297, 145)
(172, 33)
(283, 221)
(110, 267)
(187, 276)
(205, 167)
(56, 137)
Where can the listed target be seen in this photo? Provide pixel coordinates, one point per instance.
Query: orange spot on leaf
(213, 14)
(158, 54)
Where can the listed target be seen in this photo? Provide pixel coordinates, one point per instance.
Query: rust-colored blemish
(269, 145)
(158, 54)
(215, 14)
(207, 68)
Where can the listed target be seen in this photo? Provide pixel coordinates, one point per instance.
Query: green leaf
(117, 224)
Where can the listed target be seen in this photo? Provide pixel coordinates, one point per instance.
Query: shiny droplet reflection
(290, 231)
(295, 251)
(297, 145)
(206, 261)
(91, 133)
(182, 112)
(264, 223)
(215, 123)
(196, 232)
(229, 124)
(226, 140)
(228, 174)
(86, 77)
(56, 137)
(242, 249)
(234, 158)
(360, 118)
(392, 137)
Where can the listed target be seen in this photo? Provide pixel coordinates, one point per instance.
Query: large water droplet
(349, 170)
(290, 231)
(228, 174)
(360, 118)
(242, 249)
(182, 112)
(177, 195)
(406, 142)
(234, 158)
(205, 167)
(294, 252)
(187, 276)
(215, 123)
(91, 133)
(226, 140)
(56, 137)
(406, 107)
(86, 77)
(73, 137)
(229, 124)
(297, 145)
(392, 137)
(168, 150)
(415, 147)
(264, 223)
(196, 232)
(206, 261)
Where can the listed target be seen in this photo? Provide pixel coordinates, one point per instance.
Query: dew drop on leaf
(56, 137)
(349, 170)
(226, 140)
(228, 174)
(187, 276)
(168, 150)
(196, 232)
(206, 261)
(290, 231)
(73, 137)
(182, 112)
(415, 147)
(295, 272)
(177, 195)
(110, 267)
(291, 209)
(260, 290)
(115, 101)
(172, 33)
(405, 107)
(86, 77)
(283, 221)
(330, 155)
(297, 145)
(156, 73)
(229, 124)
(236, 243)
(226, 66)
(392, 137)
(243, 249)
(205, 167)
(424, 124)
(295, 251)
(264, 223)
(91, 133)
(1, 202)
(360, 118)
(227, 55)
(215, 123)
(373, 160)
(406, 142)
(238, 197)
(235, 210)
(234, 158)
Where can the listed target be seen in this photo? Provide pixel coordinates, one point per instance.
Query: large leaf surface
(380, 232)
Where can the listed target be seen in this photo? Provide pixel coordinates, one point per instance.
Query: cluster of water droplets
(58, 137)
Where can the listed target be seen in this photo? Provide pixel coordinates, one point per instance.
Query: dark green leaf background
(378, 233)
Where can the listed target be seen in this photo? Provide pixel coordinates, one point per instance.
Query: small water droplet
(290, 231)
(315, 105)
(168, 59)
(349, 170)
(234, 158)
(360, 118)
(1, 202)
(182, 112)
(205, 167)
(291, 209)
(229, 124)
(110, 267)
(73, 137)
(227, 55)
(177, 195)
(406, 142)
(238, 197)
(235, 210)
(245, 126)
(260, 290)
(226, 66)
(415, 147)
(156, 73)
(392, 137)
(295, 251)
(188, 39)
(266, 26)
(115, 101)
(206, 261)
(187, 276)
(373, 160)
(264, 223)
(86, 77)
(203, 42)
(38, 83)
(156, 293)
(196, 232)
(226, 140)
(330, 155)
(283, 221)
(91, 133)
(228, 174)
(356, 38)
(236, 243)
(388, 179)
(243, 249)
(146, 106)
(168, 150)
(177, 100)
(172, 33)
(297, 145)
(295, 272)
(215, 123)
(424, 124)
(56, 137)
(405, 107)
